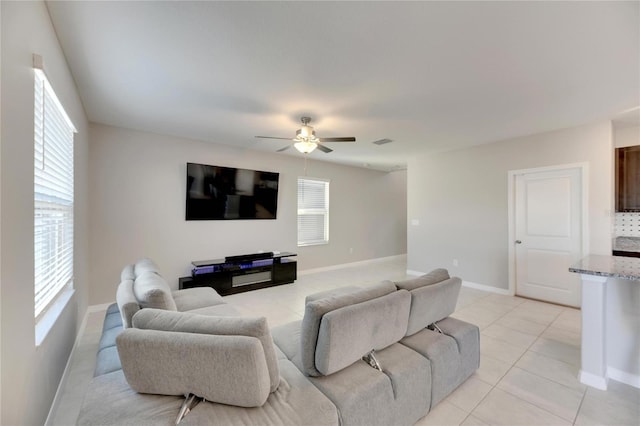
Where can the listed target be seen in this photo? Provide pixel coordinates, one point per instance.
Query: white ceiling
(428, 75)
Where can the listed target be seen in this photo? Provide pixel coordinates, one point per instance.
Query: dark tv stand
(235, 274)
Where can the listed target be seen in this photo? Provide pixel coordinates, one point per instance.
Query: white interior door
(548, 240)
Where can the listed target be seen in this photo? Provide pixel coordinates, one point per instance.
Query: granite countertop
(627, 268)
(626, 244)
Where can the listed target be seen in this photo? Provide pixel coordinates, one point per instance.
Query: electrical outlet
(455, 262)
(351, 250)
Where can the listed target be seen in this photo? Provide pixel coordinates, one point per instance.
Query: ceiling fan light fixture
(306, 132)
(306, 140)
(305, 147)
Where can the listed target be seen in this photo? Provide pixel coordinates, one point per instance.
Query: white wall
(626, 136)
(30, 375)
(137, 199)
(460, 199)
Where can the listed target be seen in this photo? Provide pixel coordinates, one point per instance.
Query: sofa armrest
(226, 369)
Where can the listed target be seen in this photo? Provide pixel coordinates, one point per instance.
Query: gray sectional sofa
(381, 355)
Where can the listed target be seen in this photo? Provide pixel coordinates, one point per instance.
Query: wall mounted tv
(226, 193)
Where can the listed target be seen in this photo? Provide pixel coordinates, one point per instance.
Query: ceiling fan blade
(284, 148)
(346, 139)
(272, 137)
(324, 149)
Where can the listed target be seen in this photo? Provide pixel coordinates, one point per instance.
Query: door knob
(518, 242)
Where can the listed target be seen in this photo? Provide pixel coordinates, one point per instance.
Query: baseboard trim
(351, 264)
(67, 367)
(623, 377)
(470, 284)
(96, 308)
(83, 325)
(488, 288)
(592, 380)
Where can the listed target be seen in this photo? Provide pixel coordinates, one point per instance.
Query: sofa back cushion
(127, 302)
(152, 291)
(226, 369)
(433, 277)
(146, 265)
(338, 330)
(331, 293)
(348, 333)
(433, 298)
(256, 327)
(128, 273)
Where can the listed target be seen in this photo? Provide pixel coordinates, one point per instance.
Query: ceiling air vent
(382, 141)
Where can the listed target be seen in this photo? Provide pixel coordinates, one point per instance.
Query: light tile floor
(530, 356)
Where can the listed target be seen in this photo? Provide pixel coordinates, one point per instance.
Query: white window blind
(53, 195)
(313, 211)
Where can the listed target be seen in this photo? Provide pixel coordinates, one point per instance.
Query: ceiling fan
(306, 140)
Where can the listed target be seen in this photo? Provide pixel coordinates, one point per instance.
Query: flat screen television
(226, 193)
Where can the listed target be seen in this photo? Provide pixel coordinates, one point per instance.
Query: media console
(235, 274)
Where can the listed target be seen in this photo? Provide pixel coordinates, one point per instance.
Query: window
(313, 212)
(53, 196)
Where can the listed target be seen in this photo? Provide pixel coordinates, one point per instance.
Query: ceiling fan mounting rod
(305, 120)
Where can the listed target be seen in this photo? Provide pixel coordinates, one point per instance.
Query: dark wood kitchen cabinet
(628, 179)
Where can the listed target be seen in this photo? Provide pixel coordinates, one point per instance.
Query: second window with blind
(313, 211)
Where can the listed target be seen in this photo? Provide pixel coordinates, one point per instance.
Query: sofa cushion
(112, 318)
(229, 369)
(108, 337)
(314, 336)
(398, 395)
(109, 400)
(107, 360)
(433, 277)
(152, 291)
(256, 327)
(296, 402)
(127, 302)
(454, 354)
(112, 308)
(195, 298)
(222, 310)
(287, 338)
(467, 337)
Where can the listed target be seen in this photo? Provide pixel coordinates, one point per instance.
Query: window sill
(48, 320)
(318, 243)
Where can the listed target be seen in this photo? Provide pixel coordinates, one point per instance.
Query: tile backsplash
(627, 225)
